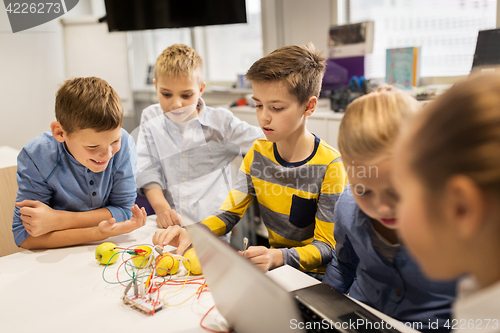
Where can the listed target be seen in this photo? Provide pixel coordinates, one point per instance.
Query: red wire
(209, 329)
(133, 250)
(118, 271)
(195, 281)
(156, 302)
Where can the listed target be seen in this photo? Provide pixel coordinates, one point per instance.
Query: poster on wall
(403, 67)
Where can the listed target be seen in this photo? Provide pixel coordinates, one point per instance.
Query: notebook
(252, 302)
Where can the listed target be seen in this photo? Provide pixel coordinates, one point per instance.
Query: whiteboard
(90, 50)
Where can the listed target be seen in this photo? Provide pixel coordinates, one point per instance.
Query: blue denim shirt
(47, 172)
(397, 289)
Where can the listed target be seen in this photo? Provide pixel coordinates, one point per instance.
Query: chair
(8, 191)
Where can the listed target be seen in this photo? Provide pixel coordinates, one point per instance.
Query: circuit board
(143, 304)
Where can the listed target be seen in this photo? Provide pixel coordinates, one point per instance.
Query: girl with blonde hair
(369, 261)
(448, 177)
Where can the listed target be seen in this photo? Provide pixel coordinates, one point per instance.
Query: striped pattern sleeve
(236, 203)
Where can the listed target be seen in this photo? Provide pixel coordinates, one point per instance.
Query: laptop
(252, 302)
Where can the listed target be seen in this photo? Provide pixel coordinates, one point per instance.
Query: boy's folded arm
(33, 214)
(32, 188)
(62, 220)
(25, 237)
(63, 238)
(75, 220)
(32, 204)
(103, 230)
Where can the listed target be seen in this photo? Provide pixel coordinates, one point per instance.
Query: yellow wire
(182, 301)
(185, 281)
(151, 277)
(200, 289)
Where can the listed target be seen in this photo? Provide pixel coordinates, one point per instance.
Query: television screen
(126, 15)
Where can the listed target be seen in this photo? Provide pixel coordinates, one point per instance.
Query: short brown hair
(301, 68)
(459, 133)
(372, 122)
(88, 102)
(179, 60)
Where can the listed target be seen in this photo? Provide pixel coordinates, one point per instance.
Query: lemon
(194, 264)
(166, 264)
(142, 258)
(106, 253)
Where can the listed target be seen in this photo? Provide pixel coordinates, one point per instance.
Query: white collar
(477, 306)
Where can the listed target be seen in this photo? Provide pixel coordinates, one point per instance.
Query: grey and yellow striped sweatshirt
(296, 201)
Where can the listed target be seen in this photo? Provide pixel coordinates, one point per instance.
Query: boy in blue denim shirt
(77, 180)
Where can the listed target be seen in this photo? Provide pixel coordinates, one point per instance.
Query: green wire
(128, 273)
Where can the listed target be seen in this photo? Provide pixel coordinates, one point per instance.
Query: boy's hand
(167, 218)
(264, 258)
(259, 256)
(174, 236)
(38, 218)
(110, 228)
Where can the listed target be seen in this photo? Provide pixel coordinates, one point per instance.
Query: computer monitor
(487, 54)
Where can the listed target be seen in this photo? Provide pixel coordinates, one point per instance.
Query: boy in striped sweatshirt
(295, 176)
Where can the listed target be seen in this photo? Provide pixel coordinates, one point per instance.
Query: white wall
(32, 61)
(31, 70)
(287, 22)
(306, 21)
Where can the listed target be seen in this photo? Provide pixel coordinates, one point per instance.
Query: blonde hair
(88, 102)
(459, 133)
(372, 122)
(179, 60)
(301, 68)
